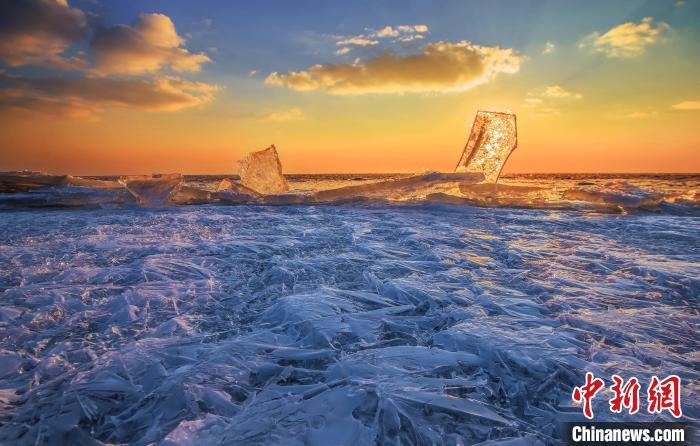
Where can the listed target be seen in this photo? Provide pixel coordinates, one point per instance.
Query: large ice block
(262, 172)
(492, 139)
(152, 190)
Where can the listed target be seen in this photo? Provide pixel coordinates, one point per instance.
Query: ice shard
(230, 191)
(414, 186)
(262, 172)
(492, 139)
(24, 181)
(152, 190)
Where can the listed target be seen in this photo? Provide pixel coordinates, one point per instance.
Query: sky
(92, 87)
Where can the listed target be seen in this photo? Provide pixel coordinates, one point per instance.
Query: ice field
(372, 323)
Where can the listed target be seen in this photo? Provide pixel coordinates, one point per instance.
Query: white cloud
(343, 50)
(358, 41)
(401, 33)
(628, 39)
(549, 47)
(387, 31)
(411, 37)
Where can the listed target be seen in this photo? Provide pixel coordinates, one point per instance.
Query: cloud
(293, 114)
(628, 39)
(358, 41)
(148, 46)
(641, 114)
(438, 67)
(43, 31)
(389, 31)
(402, 33)
(549, 47)
(88, 97)
(413, 29)
(547, 101)
(411, 38)
(533, 101)
(37, 32)
(687, 105)
(557, 91)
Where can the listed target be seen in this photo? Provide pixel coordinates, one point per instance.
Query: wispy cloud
(400, 33)
(687, 105)
(357, 41)
(549, 100)
(438, 67)
(641, 114)
(293, 114)
(549, 47)
(628, 39)
(89, 97)
(390, 31)
(559, 92)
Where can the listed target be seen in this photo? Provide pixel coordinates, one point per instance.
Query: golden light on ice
(492, 139)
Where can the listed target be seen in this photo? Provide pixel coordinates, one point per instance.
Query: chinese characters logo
(661, 395)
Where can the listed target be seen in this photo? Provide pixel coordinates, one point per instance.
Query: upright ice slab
(262, 172)
(152, 190)
(493, 138)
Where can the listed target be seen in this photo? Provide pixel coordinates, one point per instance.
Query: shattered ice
(378, 324)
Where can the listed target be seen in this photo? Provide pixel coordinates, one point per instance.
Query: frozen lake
(388, 323)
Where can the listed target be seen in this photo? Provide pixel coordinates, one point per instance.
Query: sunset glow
(131, 87)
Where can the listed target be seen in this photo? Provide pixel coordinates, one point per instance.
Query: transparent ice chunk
(492, 139)
(152, 190)
(262, 172)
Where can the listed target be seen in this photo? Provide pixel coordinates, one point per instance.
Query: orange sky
(601, 97)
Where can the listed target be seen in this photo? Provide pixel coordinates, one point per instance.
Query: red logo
(661, 395)
(587, 392)
(626, 395)
(665, 395)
